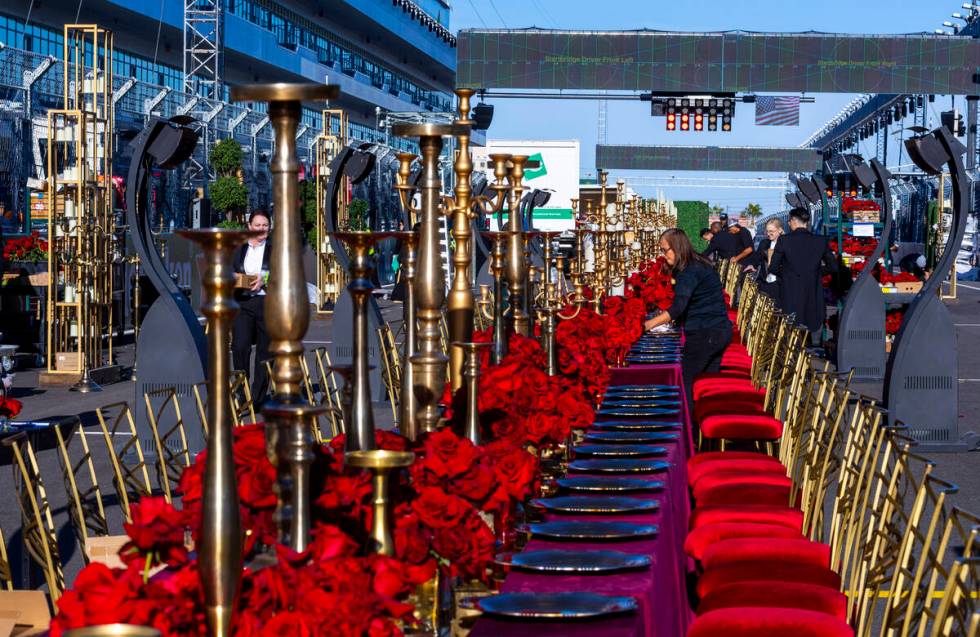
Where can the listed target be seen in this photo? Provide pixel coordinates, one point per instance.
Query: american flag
(777, 110)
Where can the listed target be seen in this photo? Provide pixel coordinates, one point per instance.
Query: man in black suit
(800, 260)
(249, 329)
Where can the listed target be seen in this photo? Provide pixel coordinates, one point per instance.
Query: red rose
(156, 532)
(448, 455)
(467, 546)
(514, 468)
(10, 407)
(437, 509)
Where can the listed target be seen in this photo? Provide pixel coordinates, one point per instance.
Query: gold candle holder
(113, 630)
(288, 416)
(380, 462)
(407, 423)
(497, 269)
(460, 303)
(516, 272)
(471, 372)
(429, 362)
(220, 548)
(360, 428)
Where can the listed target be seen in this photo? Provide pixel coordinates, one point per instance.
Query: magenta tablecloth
(660, 590)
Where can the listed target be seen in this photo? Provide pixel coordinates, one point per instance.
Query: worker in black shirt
(743, 239)
(699, 306)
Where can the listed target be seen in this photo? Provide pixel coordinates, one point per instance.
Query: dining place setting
(598, 552)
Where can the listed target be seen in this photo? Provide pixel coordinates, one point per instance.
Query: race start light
(697, 113)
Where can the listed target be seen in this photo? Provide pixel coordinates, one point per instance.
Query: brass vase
(220, 548)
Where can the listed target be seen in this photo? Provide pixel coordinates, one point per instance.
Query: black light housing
(929, 154)
(482, 116)
(809, 190)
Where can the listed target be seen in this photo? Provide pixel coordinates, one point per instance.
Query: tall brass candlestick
(497, 268)
(472, 375)
(287, 311)
(430, 288)
(460, 303)
(360, 430)
(407, 423)
(516, 272)
(220, 549)
(381, 462)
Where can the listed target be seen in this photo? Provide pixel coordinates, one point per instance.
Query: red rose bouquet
(30, 248)
(653, 283)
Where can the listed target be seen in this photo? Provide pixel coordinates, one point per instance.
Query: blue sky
(630, 122)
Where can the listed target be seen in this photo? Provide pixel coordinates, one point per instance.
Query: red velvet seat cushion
(698, 540)
(745, 493)
(757, 621)
(772, 571)
(723, 478)
(728, 386)
(756, 549)
(728, 375)
(747, 467)
(712, 456)
(754, 513)
(776, 595)
(750, 404)
(741, 427)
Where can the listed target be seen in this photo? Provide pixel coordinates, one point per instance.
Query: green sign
(534, 173)
(552, 213)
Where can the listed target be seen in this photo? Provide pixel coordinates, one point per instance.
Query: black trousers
(249, 330)
(702, 353)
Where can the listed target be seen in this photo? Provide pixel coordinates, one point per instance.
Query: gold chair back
(6, 575)
(85, 505)
(242, 404)
(130, 479)
(169, 437)
(38, 530)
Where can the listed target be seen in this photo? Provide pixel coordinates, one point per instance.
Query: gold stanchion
(460, 303)
(497, 268)
(407, 423)
(289, 438)
(516, 272)
(220, 550)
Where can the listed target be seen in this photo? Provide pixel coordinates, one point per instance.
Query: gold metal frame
(38, 531)
(131, 481)
(173, 453)
(85, 507)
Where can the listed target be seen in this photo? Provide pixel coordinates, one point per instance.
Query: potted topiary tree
(228, 192)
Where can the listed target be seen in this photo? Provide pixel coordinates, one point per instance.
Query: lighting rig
(697, 113)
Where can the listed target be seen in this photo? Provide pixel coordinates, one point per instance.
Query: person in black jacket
(699, 306)
(800, 260)
(249, 329)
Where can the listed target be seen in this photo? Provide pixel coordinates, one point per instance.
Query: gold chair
(202, 410)
(6, 575)
(130, 479)
(329, 391)
(85, 506)
(391, 370)
(39, 534)
(169, 437)
(242, 405)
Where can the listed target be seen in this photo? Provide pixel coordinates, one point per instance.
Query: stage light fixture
(685, 121)
(712, 122)
(726, 123)
(699, 122)
(671, 121)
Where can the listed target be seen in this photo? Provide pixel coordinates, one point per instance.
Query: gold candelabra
(289, 417)
(515, 270)
(220, 549)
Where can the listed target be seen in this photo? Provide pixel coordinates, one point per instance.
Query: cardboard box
(245, 281)
(105, 549)
(908, 287)
(23, 613)
(66, 361)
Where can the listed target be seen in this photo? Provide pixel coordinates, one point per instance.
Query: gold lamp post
(220, 549)
(429, 363)
(287, 311)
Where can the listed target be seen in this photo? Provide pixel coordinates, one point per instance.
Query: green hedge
(692, 216)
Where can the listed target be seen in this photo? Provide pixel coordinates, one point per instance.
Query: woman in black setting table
(699, 307)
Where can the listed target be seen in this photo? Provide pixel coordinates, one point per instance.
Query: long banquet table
(661, 589)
